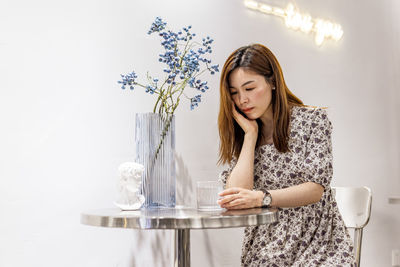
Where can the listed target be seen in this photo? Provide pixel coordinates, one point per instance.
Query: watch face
(267, 200)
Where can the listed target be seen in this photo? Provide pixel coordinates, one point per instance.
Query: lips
(247, 110)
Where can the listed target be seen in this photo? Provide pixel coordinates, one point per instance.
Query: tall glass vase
(155, 149)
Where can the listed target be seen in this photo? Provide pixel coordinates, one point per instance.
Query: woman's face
(250, 93)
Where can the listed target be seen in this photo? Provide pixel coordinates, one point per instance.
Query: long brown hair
(260, 60)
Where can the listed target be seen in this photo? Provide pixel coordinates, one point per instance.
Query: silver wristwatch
(266, 202)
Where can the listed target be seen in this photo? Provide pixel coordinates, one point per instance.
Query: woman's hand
(248, 126)
(240, 198)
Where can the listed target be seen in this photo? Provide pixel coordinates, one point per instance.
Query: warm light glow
(295, 20)
(323, 29)
(251, 4)
(278, 11)
(265, 8)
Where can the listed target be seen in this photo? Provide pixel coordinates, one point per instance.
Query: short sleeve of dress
(223, 176)
(317, 166)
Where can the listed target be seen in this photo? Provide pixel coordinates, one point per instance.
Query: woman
(280, 156)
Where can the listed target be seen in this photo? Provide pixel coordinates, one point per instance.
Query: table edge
(144, 223)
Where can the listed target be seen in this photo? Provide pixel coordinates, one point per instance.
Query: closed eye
(249, 89)
(233, 93)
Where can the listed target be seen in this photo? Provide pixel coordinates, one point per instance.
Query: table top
(179, 218)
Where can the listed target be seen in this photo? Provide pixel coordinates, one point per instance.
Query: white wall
(66, 125)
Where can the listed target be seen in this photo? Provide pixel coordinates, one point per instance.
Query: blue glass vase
(155, 150)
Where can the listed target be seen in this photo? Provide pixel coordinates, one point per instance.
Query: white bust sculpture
(128, 185)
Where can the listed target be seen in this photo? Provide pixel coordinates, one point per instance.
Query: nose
(243, 99)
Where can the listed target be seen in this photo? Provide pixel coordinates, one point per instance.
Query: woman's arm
(298, 195)
(242, 174)
(293, 196)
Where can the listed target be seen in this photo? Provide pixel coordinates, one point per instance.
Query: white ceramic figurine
(129, 181)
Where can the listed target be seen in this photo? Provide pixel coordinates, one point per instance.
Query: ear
(273, 86)
(271, 82)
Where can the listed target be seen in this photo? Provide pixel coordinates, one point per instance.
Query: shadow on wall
(184, 184)
(151, 248)
(209, 249)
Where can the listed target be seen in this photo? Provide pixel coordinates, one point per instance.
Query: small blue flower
(150, 89)
(214, 68)
(157, 26)
(194, 102)
(128, 79)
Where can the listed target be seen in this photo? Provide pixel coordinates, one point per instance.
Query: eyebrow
(246, 83)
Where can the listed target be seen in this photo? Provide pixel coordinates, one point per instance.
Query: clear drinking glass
(207, 195)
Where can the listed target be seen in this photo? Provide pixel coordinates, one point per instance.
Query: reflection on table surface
(179, 218)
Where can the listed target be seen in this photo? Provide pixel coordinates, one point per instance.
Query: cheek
(263, 98)
(263, 95)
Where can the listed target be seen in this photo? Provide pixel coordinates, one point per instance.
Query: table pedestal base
(182, 248)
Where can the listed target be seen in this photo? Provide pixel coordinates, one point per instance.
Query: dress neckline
(265, 145)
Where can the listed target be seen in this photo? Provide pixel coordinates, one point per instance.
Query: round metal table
(181, 220)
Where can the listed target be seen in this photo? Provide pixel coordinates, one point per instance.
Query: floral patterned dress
(312, 235)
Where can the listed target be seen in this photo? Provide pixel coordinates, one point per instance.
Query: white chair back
(354, 204)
